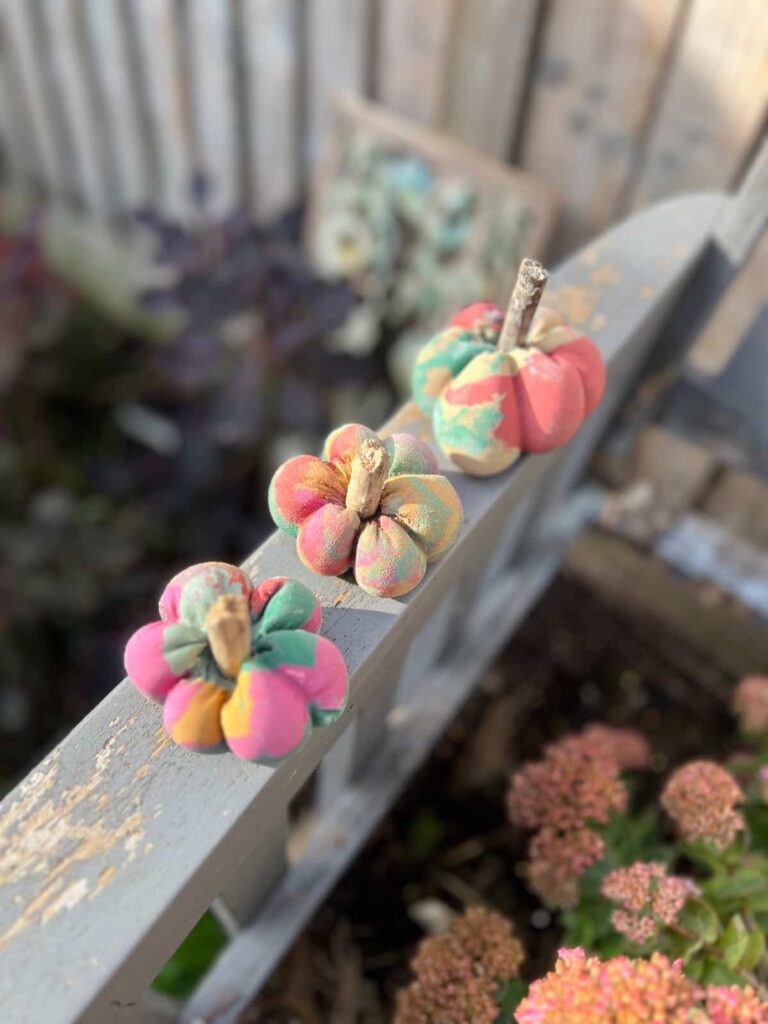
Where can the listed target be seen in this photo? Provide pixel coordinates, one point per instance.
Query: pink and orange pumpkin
(376, 506)
(237, 665)
(491, 398)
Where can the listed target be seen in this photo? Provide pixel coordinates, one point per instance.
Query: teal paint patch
(290, 608)
(283, 647)
(454, 357)
(182, 646)
(467, 429)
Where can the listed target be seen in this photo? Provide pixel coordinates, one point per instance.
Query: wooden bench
(118, 841)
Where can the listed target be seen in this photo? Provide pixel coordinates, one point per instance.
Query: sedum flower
(572, 788)
(458, 972)
(586, 990)
(627, 747)
(701, 799)
(733, 1005)
(648, 899)
(750, 704)
(557, 860)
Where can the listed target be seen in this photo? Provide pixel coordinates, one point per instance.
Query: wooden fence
(110, 104)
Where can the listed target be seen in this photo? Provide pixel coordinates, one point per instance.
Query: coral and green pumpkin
(489, 401)
(237, 665)
(376, 506)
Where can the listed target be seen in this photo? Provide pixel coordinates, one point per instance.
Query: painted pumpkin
(375, 506)
(489, 404)
(236, 665)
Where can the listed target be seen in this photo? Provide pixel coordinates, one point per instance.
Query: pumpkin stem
(228, 625)
(526, 295)
(369, 471)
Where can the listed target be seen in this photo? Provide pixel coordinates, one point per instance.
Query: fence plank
(76, 93)
(270, 30)
(714, 103)
(594, 85)
(337, 39)
(488, 72)
(160, 45)
(17, 20)
(106, 28)
(112, 849)
(412, 54)
(212, 76)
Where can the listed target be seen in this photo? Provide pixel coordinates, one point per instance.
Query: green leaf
(698, 917)
(735, 888)
(754, 951)
(680, 947)
(509, 997)
(717, 973)
(192, 959)
(733, 941)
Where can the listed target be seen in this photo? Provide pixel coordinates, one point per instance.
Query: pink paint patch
(263, 592)
(584, 356)
(303, 485)
(550, 402)
(145, 664)
(477, 315)
(266, 716)
(342, 443)
(326, 540)
(324, 684)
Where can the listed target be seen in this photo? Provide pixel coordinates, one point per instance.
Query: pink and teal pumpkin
(292, 680)
(417, 521)
(487, 406)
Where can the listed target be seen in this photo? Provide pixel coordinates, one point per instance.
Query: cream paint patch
(49, 837)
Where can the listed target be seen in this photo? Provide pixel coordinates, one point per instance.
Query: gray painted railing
(115, 845)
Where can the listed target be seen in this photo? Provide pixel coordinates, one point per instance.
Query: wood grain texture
(20, 37)
(166, 100)
(413, 57)
(106, 31)
(714, 102)
(77, 95)
(271, 61)
(487, 73)
(214, 101)
(594, 84)
(338, 33)
(119, 840)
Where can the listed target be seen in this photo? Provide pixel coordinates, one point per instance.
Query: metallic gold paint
(170, 661)
(418, 519)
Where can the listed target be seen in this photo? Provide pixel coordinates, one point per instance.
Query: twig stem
(526, 295)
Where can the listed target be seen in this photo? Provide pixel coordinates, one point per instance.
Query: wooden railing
(119, 840)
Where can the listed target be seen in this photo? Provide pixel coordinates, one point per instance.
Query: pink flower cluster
(701, 799)
(732, 1005)
(648, 898)
(587, 990)
(574, 787)
(750, 704)
(457, 973)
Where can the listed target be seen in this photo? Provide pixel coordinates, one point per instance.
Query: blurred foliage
(192, 959)
(123, 459)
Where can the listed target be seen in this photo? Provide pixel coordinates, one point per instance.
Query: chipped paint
(52, 837)
(605, 275)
